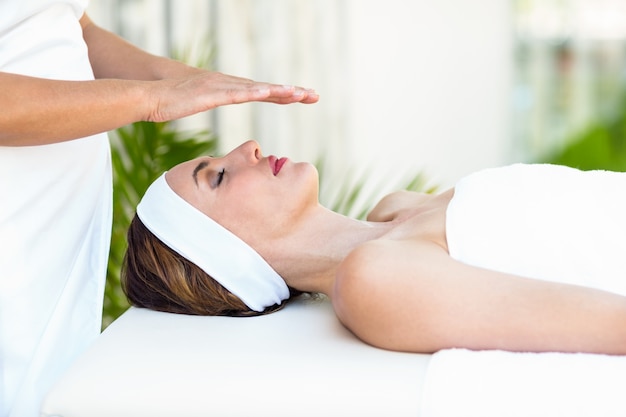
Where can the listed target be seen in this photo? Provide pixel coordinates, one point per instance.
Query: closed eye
(220, 177)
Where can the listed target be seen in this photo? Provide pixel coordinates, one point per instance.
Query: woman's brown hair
(156, 277)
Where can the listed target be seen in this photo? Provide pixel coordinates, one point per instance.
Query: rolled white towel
(464, 383)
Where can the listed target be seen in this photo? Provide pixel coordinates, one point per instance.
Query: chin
(308, 182)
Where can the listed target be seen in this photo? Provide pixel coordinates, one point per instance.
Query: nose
(251, 150)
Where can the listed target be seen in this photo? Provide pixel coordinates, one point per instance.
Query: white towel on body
(544, 222)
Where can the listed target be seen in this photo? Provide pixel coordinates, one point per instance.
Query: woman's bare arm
(414, 297)
(133, 86)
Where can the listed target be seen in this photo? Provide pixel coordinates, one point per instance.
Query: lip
(276, 163)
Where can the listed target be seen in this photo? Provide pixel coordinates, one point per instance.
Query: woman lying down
(521, 258)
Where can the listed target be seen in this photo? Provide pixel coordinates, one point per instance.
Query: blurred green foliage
(601, 146)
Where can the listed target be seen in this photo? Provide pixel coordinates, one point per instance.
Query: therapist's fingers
(221, 89)
(286, 94)
(248, 90)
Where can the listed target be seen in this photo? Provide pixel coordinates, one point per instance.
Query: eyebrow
(197, 169)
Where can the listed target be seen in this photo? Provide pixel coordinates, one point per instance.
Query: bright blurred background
(448, 86)
(407, 86)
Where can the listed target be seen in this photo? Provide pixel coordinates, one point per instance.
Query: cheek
(260, 210)
(242, 208)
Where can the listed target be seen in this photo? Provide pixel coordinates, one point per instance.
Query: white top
(55, 217)
(543, 221)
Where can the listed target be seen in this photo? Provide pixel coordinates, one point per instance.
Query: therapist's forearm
(128, 86)
(38, 111)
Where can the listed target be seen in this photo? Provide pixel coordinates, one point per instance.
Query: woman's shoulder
(375, 284)
(360, 287)
(374, 264)
(372, 269)
(363, 270)
(365, 260)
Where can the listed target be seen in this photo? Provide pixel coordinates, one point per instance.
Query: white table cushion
(299, 361)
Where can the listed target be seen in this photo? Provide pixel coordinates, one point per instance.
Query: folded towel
(466, 383)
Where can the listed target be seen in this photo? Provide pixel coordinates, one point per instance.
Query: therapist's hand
(171, 99)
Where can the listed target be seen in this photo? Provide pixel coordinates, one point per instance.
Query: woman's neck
(309, 257)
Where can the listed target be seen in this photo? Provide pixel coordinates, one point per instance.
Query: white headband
(213, 248)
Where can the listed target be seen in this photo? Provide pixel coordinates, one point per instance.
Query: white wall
(405, 85)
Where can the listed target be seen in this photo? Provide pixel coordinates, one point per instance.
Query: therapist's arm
(114, 57)
(132, 86)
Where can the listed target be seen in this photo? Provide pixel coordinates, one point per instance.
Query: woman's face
(257, 198)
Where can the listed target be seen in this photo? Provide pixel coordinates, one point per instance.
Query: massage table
(299, 361)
